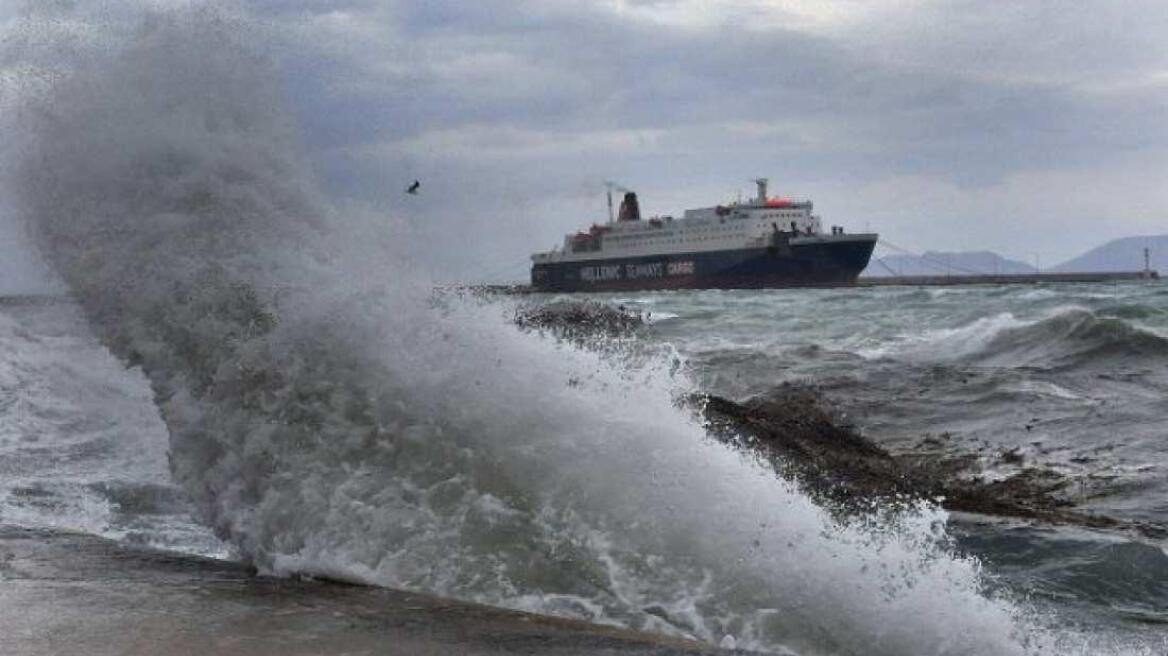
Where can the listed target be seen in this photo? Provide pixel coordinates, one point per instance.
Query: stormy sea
(246, 370)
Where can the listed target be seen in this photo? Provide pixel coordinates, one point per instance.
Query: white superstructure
(750, 224)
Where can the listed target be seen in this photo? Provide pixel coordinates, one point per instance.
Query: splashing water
(329, 416)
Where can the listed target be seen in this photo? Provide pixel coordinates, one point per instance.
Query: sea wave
(1136, 311)
(1068, 336)
(1073, 336)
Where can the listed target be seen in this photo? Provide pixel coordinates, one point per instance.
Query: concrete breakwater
(1007, 279)
(922, 281)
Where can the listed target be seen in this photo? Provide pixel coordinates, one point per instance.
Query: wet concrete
(64, 594)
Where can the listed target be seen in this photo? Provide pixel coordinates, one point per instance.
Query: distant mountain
(936, 263)
(1126, 254)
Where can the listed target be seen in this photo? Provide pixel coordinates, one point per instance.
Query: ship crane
(611, 186)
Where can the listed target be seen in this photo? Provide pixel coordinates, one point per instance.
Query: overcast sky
(1022, 127)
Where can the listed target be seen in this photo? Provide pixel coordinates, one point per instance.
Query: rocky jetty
(579, 320)
(790, 429)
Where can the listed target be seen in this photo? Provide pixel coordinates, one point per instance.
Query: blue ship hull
(834, 261)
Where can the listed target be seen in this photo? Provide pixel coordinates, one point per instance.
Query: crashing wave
(1066, 337)
(1072, 337)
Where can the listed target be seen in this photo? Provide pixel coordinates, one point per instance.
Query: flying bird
(413, 189)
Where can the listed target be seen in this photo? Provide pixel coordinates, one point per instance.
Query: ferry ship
(764, 242)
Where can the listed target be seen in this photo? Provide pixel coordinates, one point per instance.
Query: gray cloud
(945, 124)
(514, 112)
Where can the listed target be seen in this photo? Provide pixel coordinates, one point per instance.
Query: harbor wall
(1007, 279)
(925, 281)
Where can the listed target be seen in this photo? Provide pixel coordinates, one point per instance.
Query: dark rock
(579, 320)
(1012, 456)
(790, 429)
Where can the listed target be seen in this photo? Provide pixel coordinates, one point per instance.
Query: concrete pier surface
(63, 594)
